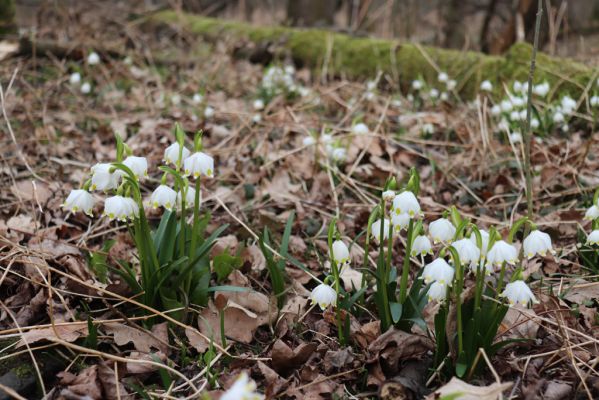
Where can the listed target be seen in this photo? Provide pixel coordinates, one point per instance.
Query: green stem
(500, 282)
(194, 230)
(335, 270)
(405, 272)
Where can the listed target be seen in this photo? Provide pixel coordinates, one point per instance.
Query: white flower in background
(396, 102)
(289, 69)
(428, 129)
(406, 203)
(417, 84)
(410, 97)
(534, 123)
(163, 196)
(486, 86)
(243, 389)
(484, 236)
(433, 93)
(568, 104)
(400, 221)
(79, 200)
(197, 98)
(138, 165)
(558, 117)
(102, 178)
(541, 89)
(376, 229)
(190, 197)
(469, 253)
(518, 292)
(308, 141)
(565, 128)
(593, 237)
(370, 96)
(537, 242)
(594, 101)
(515, 115)
(496, 110)
(503, 125)
(451, 84)
(338, 154)
(171, 154)
(516, 137)
(592, 213)
(370, 85)
(517, 86)
(437, 291)
(502, 252)
(199, 163)
(258, 104)
(523, 115)
(75, 78)
(208, 112)
(256, 118)
(324, 296)
(443, 77)
(86, 88)
(441, 230)
(93, 58)
(360, 129)
(421, 246)
(326, 138)
(438, 271)
(121, 208)
(506, 106)
(444, 96)
(340, 253)
(518, 102)
(176, 99)
(388, 195)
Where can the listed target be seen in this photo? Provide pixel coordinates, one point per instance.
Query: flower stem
(405, 272)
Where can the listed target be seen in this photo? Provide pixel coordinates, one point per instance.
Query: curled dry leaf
(582, 291)
(86, 383)
(352, 279)
(367, 333)
(142, 341)
(518, 325)
(142, 368)
(460, 390)
(284, 359)
(394, 346)
(337, 359)
(68, 333)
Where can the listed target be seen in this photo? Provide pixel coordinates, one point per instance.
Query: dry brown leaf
(394, 346)
(196, 340)
(86, 383)
(284, 359)
(254, 256)
(465, 391)
(143, 368)
(582, 291)
(518, 325)
(68, 333)
(142, 341)
(107, 378)
(352, 279)
(337, 359)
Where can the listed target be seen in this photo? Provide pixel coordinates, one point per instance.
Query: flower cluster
(335, 150)
(281, 81)
(421, 91)
(592, 214)
(76, 80)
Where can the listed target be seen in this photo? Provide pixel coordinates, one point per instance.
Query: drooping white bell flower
(518, 102)
(441, 230)
(243, 389)
(360, 129)
(594, 101)
(558, 117)
(568, 104)
(308, 141)
(171, 154)
(593, 237)
(400, 221)
(496, 110)
(518, 292)
(340, 253)
(79, 200)
(138, 165)
(163, 196)
(417, 84)
(86, 88)
(93, 58)
(486, 86)
(516, 137)
(502, 252)
(258, 104)
(421, 246)
(376, 229)
(324, 296)
(120, 208)
(444, 96)
(534, 123)
(433, 93)
(592, 213)
(102, 178)
(338, 153)
(451, 84)
(437, 291)
(388, 195)
(209, 112)
(199, 163)
(517, 86)
(484, 236)
(469, 253)
(541, 89)
(406, 203)
(443, 77)
(190, 197)
(515, 115)
(438, 271)
(537, 242)
(75, 78)
(197, 98)
(506, 106)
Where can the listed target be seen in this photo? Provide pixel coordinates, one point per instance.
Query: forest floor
(51, 300)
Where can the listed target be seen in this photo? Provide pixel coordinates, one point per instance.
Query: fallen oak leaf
(142, 341)
(68, 333)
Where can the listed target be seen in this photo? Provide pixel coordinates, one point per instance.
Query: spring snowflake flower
(518, 292)
(496, 110)
(75, 78)
(199, 163)
(86, 88)
(308, 141)
(421, 246)
(502, 252)
(443, 77)
(568, 104)
(558, 117)
(592, 213)
(468, 252)
(506, 106)
(451, 84)
(417, 84)
(256, 118)
(324, 296)
(172, 152)
(594, 101)
(163, 196)
(484, 235)
(209, 112)
(376, 229)
(441, 230)
(438, 271)
(190, 197)
(534, 123)
(518, 102)
(515, 115)
(258, 104)
(593, 237)
(103, 178)
(80, 200)
(433, 93)
(541, 89)
(388, 195)
(400, 221)
(138, 165)
(360, 129)
(197, 98)
(340, 253)
(437, 291)
(537, 242)
(120, 208)
(444, 96)
(93, 58)
(517, 86)
(406, 203)
(338, 154)
(243, 389)
(516, 137)
(486, 86)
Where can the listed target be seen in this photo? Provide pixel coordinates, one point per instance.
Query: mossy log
(362, 57)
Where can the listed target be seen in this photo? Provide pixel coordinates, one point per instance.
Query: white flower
(256, 118)
(338, 154)
(208, 112)
(258, 104)
(86, 88)
(400, 221)
(243, 389)
(437, 291)
(370, 96)
(376, 229)
(417, 84)
(484, 235)
(138, 165)
(517, 86)
(515, 115)
(534, 123)
(172, 153)
(406, 203)
(410, 97)
(502, 252)
(523, 115)
(428, 129)
(537, 242)
(75, 78)
(503, 125)
(565, 128)
(421, 246)
(506, 106)
(340, 253)
(199, 163)
(433, 93)
(593, 237)
(197, 98)
(496, 110)
(438, 271)
(121, 208)
(80, 200)
(190, 197)
(396, 102)
(443, 77)
(163, 196)
(308, 141)
(324, 296)
(441, 230)
(594, 101)
(568, 104)
(518, 292)
(388, 195)
(444, 96)
(541, 89)
(102, 178)
(469, 253)
(451, 84)
(93, 58)
(558, 117)
(592, 213)
(360, 129)
(326, 138)
(486, 86)
(518, 101)
(516, 137)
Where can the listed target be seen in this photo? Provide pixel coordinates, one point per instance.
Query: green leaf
(396, 311)
(98, 261)
(225, 263)
(91, 341)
